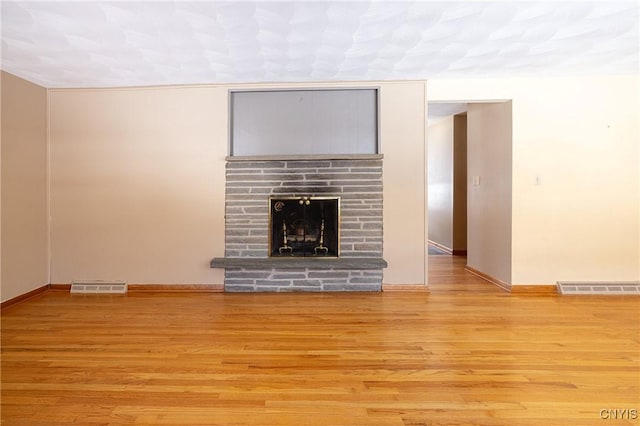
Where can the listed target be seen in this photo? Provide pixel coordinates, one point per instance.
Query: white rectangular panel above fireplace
(304, 122)
(307, 248)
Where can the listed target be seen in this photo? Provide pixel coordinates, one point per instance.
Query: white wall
(580, 136)
(138, 178)
(25, 264)
(440, 172)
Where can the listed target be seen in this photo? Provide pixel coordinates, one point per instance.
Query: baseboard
(406, 288)
(448, 250)
(60, 287)
(504, 286)
(441, 247)
(160, 288)
(23, 297)
(537, 289)
(176, 288)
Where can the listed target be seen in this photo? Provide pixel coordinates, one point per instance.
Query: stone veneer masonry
(250, 183)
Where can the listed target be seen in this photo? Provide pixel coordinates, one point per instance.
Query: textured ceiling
(103, 44)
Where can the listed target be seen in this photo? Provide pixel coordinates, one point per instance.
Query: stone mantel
(298, 262)
(306, 157)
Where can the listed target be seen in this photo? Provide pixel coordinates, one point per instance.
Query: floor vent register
(95, 287)
(599, 288)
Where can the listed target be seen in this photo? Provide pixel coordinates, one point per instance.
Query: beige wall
(460, 182)
(440, 172)
(489, 194)
(137, 179)
(25, 264)
(579, 135)
(137, 182)
(403, 113)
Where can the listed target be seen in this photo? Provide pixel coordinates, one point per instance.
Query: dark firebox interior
(304, 227)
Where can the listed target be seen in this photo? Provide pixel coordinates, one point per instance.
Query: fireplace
(304, 226)
(268, 198)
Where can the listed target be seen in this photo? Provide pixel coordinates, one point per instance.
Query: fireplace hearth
(304, 226)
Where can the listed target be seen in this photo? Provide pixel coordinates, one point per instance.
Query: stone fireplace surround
(250, 181)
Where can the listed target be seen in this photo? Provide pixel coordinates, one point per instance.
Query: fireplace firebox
(304, 227)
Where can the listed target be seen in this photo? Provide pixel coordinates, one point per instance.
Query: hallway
(447, 274)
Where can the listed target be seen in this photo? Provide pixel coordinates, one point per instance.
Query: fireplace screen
(304, 227)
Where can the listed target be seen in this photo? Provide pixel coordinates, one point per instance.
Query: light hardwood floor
(467, 353)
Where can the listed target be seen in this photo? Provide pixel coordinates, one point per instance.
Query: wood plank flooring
(467, 353)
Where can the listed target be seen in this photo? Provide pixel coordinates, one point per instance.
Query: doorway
(469, 192)
(447, 178)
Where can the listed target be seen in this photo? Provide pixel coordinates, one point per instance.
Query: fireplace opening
(304, 227)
